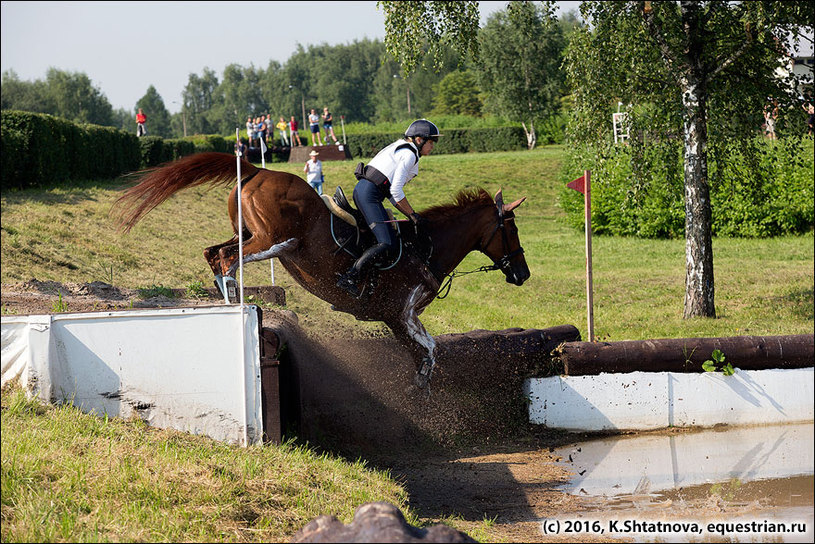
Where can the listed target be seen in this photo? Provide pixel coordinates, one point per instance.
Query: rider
(384, 177)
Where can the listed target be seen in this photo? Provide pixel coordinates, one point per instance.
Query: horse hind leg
(213, 256)
(256, 250)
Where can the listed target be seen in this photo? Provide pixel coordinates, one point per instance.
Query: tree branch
(655, 32)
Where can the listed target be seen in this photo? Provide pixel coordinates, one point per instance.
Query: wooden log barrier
(687, 354)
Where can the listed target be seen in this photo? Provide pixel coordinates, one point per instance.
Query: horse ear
(499, 198)
(510, 207)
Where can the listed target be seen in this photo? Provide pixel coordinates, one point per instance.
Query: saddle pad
(339, 212)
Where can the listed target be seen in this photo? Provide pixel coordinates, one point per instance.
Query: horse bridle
(500, 264)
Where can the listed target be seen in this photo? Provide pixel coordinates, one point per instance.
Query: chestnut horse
(284, 217)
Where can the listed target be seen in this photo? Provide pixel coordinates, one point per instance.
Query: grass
(72, 477)
(763, 286)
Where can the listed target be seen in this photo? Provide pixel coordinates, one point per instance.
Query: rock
(376, 522)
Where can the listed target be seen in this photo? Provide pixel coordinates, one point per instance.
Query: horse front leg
(410, 331)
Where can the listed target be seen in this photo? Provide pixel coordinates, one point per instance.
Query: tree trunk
(699, 291)
(531, 139)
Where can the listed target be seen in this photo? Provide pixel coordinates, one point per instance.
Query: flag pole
(589, 287)
(242, 343)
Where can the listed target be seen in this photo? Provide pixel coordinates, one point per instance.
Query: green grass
(72, 477)
(763, 286)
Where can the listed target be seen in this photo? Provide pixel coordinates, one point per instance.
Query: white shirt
(398, 166)
(314, 167)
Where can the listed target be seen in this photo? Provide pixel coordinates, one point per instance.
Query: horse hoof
(421, 380)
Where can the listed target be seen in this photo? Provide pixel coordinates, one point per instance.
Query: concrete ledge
(652, 400)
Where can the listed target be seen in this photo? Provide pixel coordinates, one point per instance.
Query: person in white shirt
(314, 172)
(385, 177)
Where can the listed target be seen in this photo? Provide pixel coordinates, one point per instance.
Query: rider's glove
(418, 220)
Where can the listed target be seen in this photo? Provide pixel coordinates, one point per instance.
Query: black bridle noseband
(500, 264)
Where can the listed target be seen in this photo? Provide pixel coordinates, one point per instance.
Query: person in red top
(141, 119)
(295, 136)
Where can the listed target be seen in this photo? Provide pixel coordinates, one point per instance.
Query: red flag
(578, 185)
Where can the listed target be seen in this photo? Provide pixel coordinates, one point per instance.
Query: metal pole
(342, 122)
(303, 106)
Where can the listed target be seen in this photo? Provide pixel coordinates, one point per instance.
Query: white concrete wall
(654, 400)
(180, 368)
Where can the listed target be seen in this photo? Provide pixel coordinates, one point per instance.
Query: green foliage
(716, 363)
(39, 149)
(156, 291)
(196, 289)
(519, 69)
(413, 27)
(59, 305)
(638, 190)
(452, 141)
(458, 93)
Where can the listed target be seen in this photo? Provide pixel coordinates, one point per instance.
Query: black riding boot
(349, 280)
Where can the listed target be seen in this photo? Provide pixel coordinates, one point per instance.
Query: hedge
(452, 141)
(758, 188)
(39, 149)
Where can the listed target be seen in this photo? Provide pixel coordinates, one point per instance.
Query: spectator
(240, 148)
(281, 127)
(141, 124)
(250, 130)
(810, 109)
(269, 130)
(314, 172)
(295, 136)
(260, 129)
(328, 126)
(314, 124)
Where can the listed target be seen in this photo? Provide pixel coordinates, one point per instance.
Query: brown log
(687, 354)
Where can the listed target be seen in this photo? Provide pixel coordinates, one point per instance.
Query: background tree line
(358, 80)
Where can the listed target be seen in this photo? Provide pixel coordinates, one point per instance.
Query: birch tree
(680, 58)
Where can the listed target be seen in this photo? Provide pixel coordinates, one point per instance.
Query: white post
(240, 221)
(242, 343)
(589, 295)
(342, 122)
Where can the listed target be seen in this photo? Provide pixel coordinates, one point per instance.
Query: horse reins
(502, 263)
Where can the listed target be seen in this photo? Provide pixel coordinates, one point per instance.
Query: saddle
(353, 236)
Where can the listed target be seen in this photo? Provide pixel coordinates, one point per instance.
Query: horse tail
(158, 184)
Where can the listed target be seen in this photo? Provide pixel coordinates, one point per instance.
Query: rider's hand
(418, 220)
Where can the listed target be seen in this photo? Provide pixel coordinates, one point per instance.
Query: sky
(124, 47)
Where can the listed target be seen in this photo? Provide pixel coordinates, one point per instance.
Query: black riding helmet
(424, 129)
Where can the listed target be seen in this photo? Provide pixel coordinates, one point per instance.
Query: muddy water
(752, 484)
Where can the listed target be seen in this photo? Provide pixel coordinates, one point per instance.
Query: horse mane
(155, 185)
(465, 199)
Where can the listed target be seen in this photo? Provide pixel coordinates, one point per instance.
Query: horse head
(502, 245)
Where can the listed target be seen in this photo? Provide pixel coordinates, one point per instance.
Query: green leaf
(708, 366)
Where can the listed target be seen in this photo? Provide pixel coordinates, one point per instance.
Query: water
(724, 485)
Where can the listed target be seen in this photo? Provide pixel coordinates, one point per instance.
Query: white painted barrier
(179, 368)
(655, 400)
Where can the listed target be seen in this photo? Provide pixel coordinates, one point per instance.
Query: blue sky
(124, 47)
